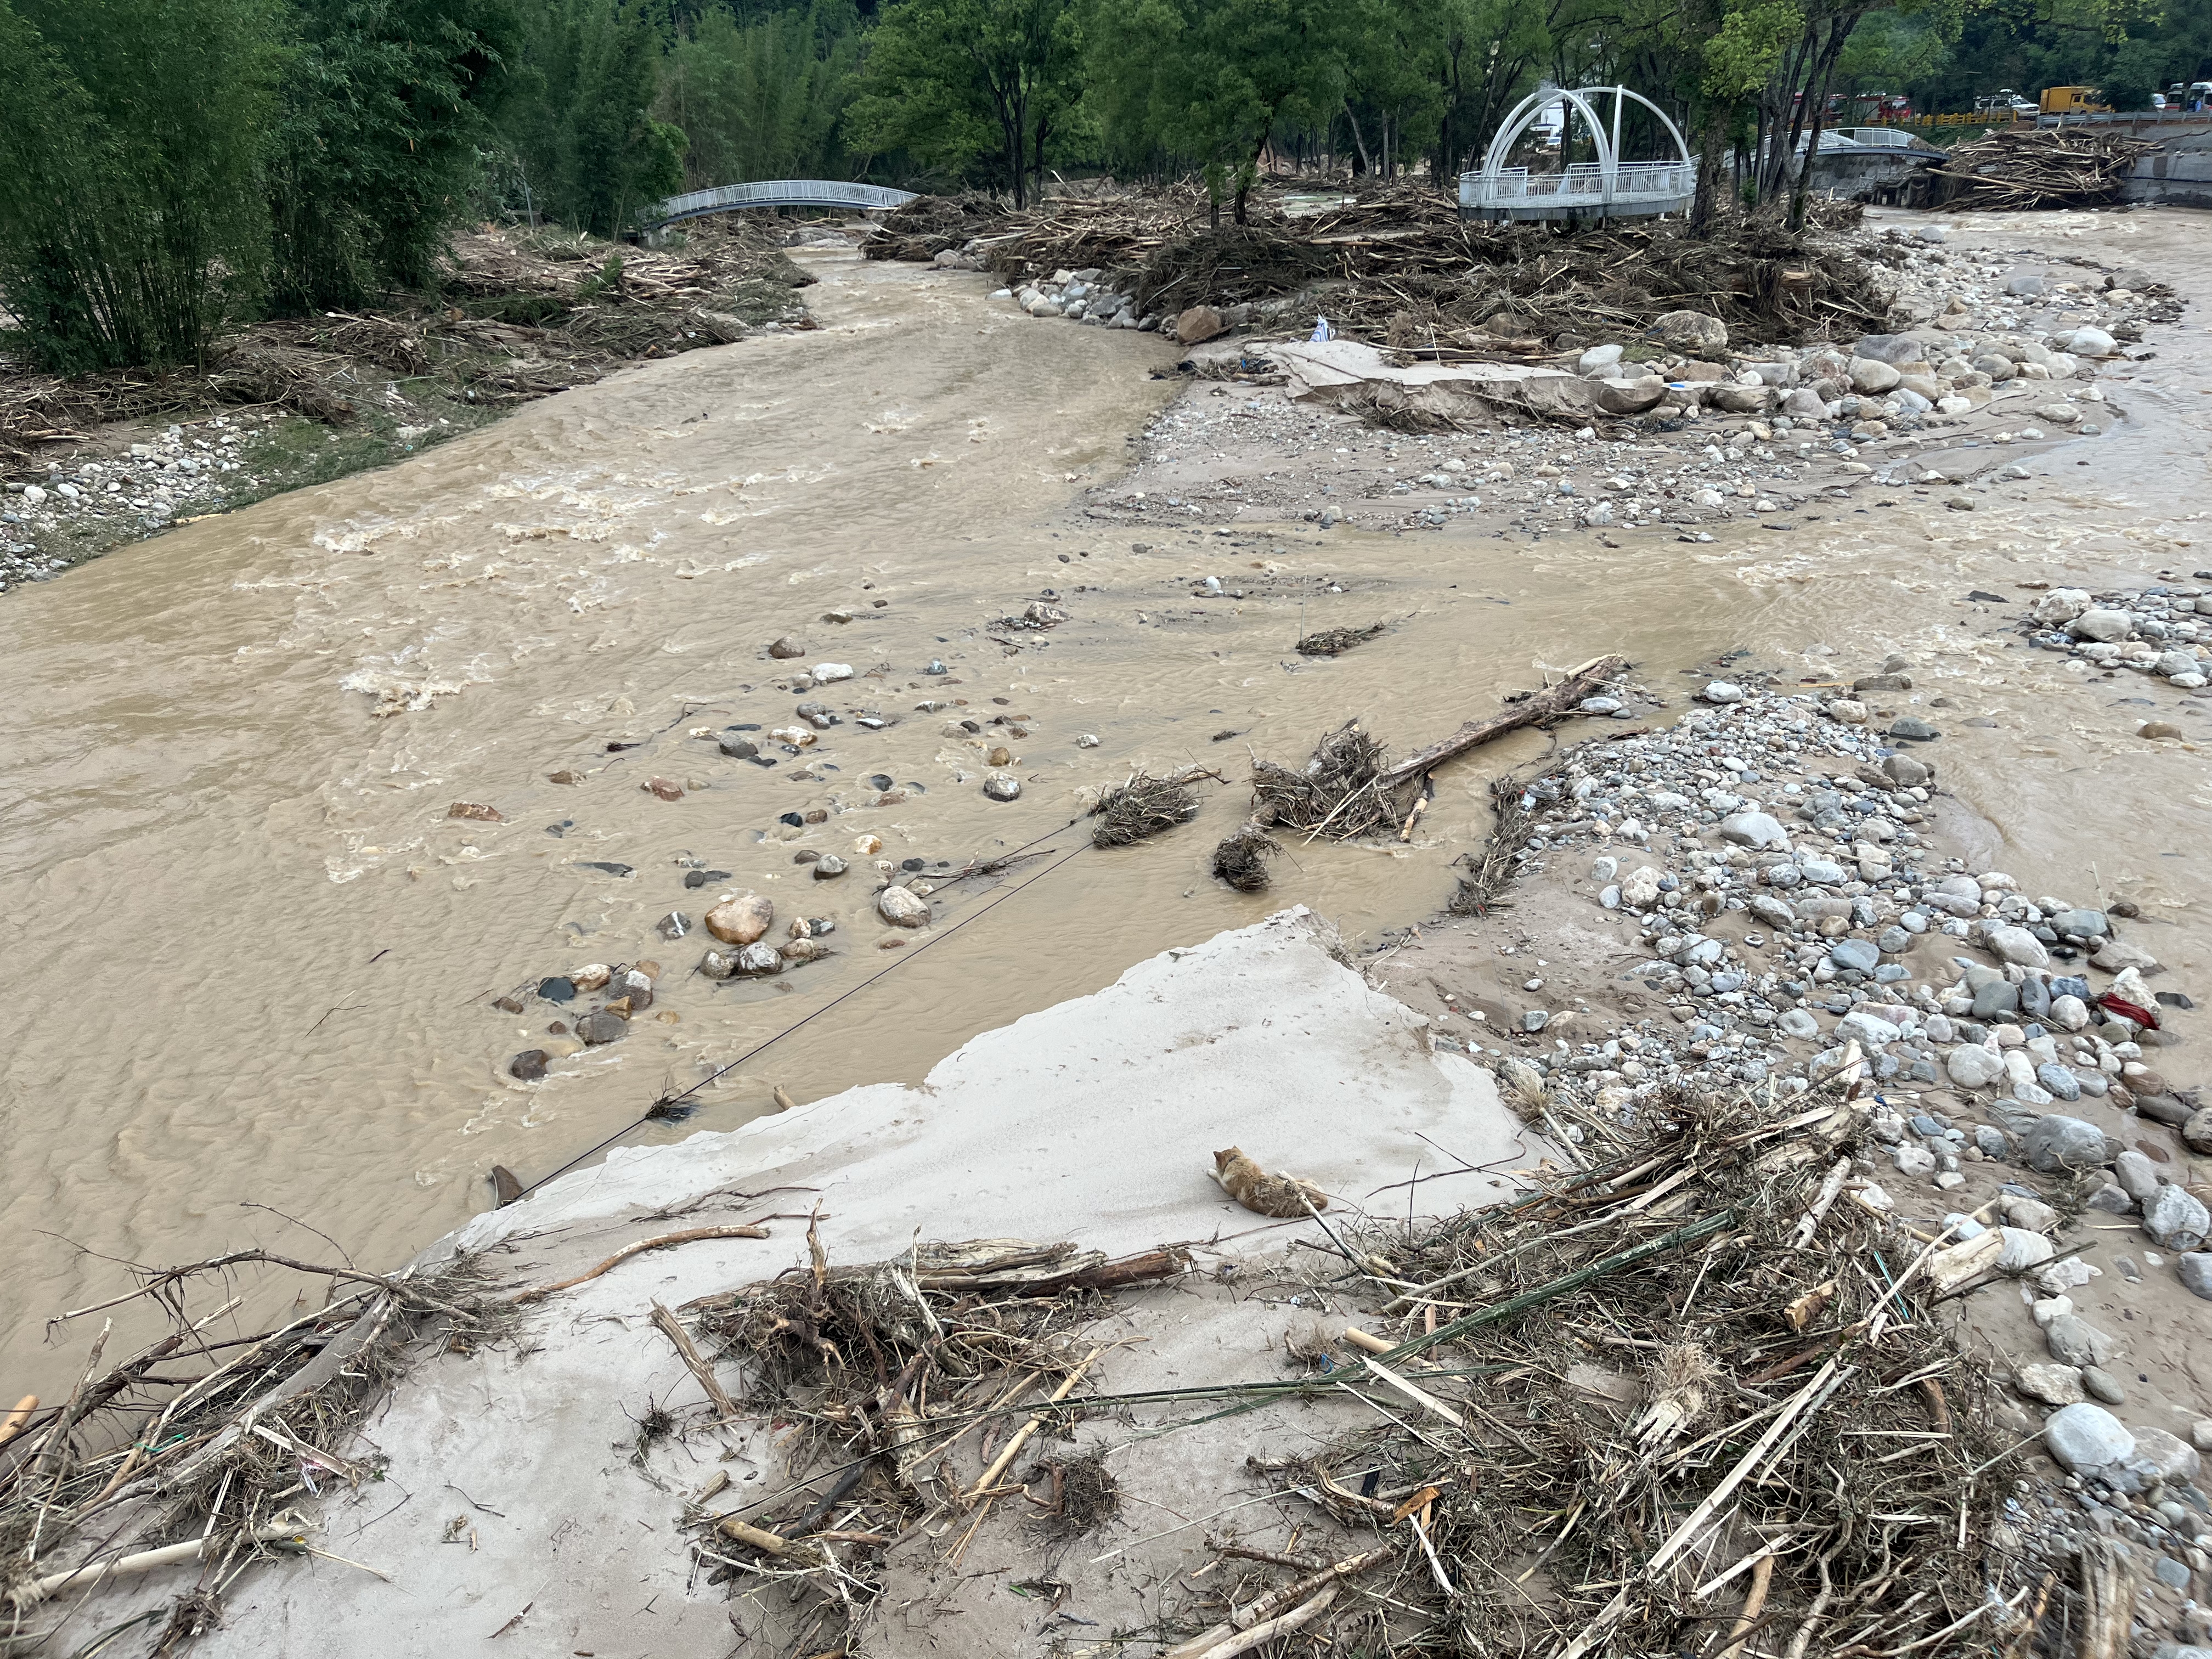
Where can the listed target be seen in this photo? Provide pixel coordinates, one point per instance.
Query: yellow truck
(2073, 101)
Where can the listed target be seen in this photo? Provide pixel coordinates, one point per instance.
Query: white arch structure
(1607, 188)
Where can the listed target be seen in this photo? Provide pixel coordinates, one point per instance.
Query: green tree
(580, 124)
(1735, 60)
(385, 104)
(957, 83)
(765, 99)
(1213, 79)
(2137, 70)
(133, 226)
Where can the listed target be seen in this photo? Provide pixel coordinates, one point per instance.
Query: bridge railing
(777, 192)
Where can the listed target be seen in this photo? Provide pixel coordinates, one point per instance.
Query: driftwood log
(1545, 706)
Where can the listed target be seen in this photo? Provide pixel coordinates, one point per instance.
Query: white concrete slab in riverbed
(511, 1482)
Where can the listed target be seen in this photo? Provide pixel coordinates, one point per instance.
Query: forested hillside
(170, 168)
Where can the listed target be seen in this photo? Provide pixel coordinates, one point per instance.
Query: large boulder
(1620, 397)
(1871, 376)
(1198, 324)
(1692, 333)
(1739, 399)
(1895, 349)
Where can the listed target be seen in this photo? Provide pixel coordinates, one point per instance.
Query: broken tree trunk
(1546, 705)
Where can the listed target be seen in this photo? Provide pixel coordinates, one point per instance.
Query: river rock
(826, 673)
(2195, 1270)
(1737, 399)
(2136, 1175)
(602, 1027)
(2117, 956)
(1003, 785)
(2085, 1439)
(2024, 1247)
(1199, 323)
(2176, 1218)
(760, 958)
(1641, 890)
(1598, 361)
(2074, 1341)
(828, 868)
(718, 965)
(741, 920)
(2091, 342)
(1630, 396)
(2053, 1384)
(1723, 692)
(2055, 1142)
(591, 976)
(2018, 945)
(2165, 1455)
(1970, 1065)
(805, 949)
(901, 909)
(528, 1065)
(1692, 333)
(1870, 376)
(2197, 1130)
(2061, 1082)
(1753, 830)
(738, 748)
(1858, 953)
(2102, 627)
(788, 648)
(2104, 1386)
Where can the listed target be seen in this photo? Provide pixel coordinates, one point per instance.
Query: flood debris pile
(1335, 790)
(1335, 641)
(2014, 169)
(930, 226)
(205, 1452)
(1145, 807)
(1689, 1395)
(1241, 858)
(888, 1369)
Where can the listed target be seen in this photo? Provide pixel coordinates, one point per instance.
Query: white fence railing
(1582, 181)
(777, 192)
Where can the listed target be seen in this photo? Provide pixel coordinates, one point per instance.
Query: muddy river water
(253, 962)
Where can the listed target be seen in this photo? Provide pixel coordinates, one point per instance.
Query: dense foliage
(170, 166)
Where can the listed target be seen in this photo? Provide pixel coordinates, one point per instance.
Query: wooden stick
(1268, 1605)
(1428, 1402)
(96, 1572)
(1260, 1635)
(17, 1418)
(759, 1538)
(1583, 682)
(694, 1361)
(629, 1251)
(1037, 1421)
(1754, 1603)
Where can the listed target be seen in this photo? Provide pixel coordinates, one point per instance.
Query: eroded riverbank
(235, 759)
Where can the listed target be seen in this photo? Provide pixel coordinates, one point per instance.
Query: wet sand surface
(256, 960)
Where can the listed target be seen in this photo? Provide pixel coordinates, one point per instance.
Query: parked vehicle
(2073, 101)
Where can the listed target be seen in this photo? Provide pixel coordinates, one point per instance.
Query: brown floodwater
(253, 961)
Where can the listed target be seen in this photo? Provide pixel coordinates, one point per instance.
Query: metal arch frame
(1524, 116)
(774, 193)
